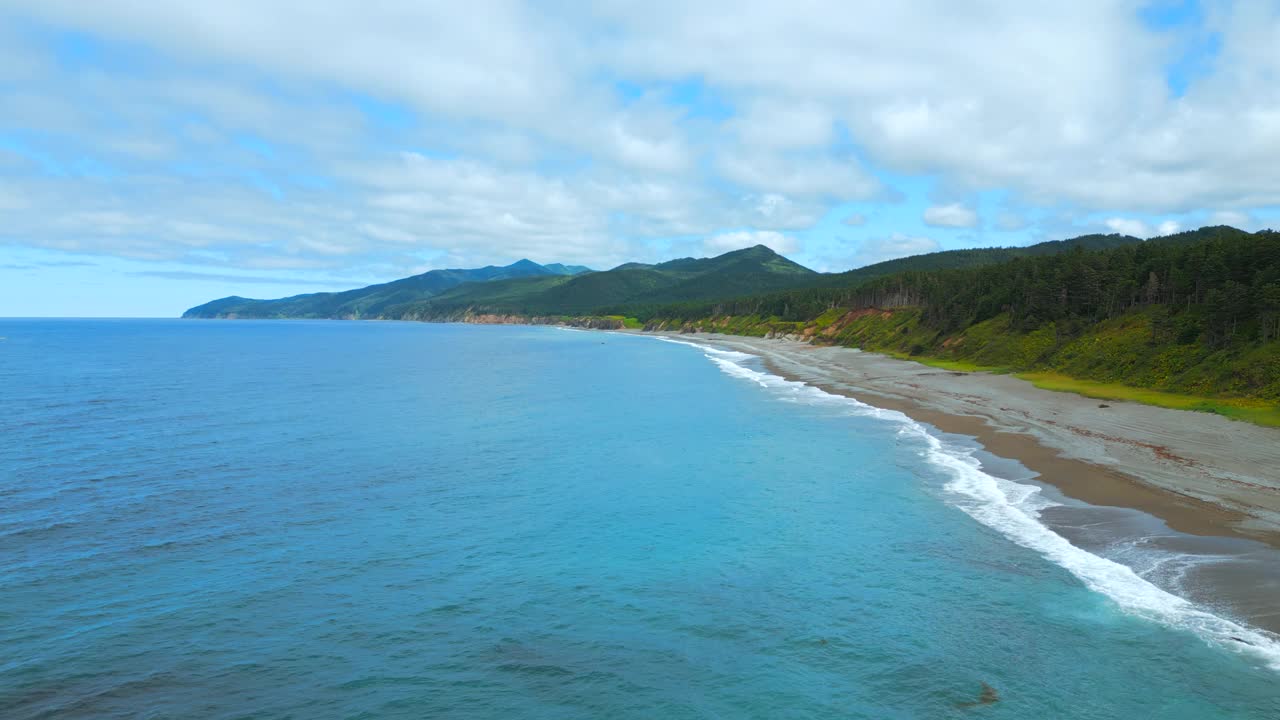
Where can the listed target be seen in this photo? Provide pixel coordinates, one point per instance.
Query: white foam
(1166, 568)
(1013, 509)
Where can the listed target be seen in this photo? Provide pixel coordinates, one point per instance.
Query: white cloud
(1125, 226)
(1010, 221)
(778, 212)
(1085, 116)
(855, 220)
(808, 175)
(725, 242)
(784, 123)
(646, 138)
(954, 215)
(525, 145)
(940, 93)
(498, 57)
(1234, 218)
(879, 249)
(1139, 228)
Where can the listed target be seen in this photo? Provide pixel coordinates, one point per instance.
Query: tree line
(1218, 285)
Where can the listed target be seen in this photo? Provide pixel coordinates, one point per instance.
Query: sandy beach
(1214, 482)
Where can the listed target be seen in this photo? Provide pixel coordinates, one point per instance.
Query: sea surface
(313, 520)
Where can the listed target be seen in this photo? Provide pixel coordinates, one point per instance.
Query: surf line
(983, 497)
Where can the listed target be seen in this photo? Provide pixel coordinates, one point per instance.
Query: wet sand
(1137, 471)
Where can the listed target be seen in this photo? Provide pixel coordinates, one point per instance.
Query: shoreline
(1115, 470)
(1203, 489)
(1140, 472)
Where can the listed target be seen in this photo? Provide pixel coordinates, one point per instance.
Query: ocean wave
(1013, 509)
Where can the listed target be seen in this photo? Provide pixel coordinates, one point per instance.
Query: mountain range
(374, 301)
(527, 288)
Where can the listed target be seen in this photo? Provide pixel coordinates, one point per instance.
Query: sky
(154, 156)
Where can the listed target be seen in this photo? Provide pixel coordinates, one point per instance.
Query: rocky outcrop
(673, 326)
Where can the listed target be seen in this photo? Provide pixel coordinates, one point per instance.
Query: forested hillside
(374, 300)
(526, 288)
(1197, 312)
(834, 288)
(740, 272)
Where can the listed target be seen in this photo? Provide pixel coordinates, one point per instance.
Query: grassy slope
(1255, 411)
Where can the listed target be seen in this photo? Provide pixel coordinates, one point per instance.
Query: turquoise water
(397, 520)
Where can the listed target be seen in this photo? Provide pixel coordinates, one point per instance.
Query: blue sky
(155, 156)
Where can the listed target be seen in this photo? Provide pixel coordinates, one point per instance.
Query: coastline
(1196, 471)
(1178, 483)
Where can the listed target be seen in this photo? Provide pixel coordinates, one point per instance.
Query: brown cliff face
(672, 326)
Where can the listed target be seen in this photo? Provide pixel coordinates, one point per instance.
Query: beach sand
(1211, 484)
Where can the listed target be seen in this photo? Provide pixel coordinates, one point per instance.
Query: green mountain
(632, 289)
(754, 269)
(559, 269)
(374, 300)
(835, 287)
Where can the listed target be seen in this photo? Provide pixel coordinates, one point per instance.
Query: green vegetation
(831, 291)
(732, 274)
(1254, 411)
(955, 365)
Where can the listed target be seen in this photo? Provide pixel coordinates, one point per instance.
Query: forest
(1219, 281)
(1194, 312)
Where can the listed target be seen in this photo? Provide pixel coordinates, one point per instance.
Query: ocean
(312, 519)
